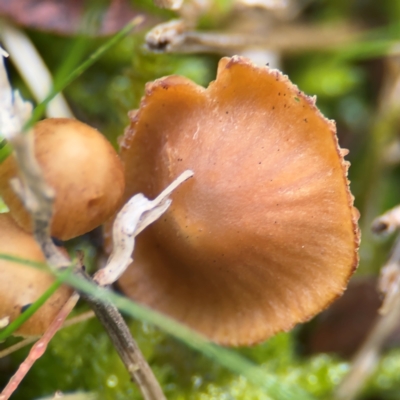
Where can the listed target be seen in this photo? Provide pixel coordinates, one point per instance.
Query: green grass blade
(58, 87)
(75, 56)
(39, 110)
(24, 261)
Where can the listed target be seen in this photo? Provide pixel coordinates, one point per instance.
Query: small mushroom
(83, 169)
(21, 285)
(265, 235)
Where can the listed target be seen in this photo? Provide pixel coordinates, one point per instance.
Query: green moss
(82, 358)
(317, 375)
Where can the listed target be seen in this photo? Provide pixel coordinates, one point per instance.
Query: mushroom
(21, 285)
(83, 169)
(265, 235)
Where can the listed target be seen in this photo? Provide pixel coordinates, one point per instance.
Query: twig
(176, 36)
(387, 222)
(31, 187)
(136, 215)
(37, 197)
(366, 358)
(39, 348)
(128, 350)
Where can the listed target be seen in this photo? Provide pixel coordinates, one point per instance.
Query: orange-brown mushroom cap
(265, 235)
(21, 285)
(83, 169)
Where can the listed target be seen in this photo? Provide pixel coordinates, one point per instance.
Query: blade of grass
(11, 328)
(39, 110)
(24, 261)
(75, 56)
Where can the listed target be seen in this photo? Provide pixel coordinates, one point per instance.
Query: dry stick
(387, 222)
(38, 348)
(37, 197)
(366, 358)
(128, 350)
(175, 36)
